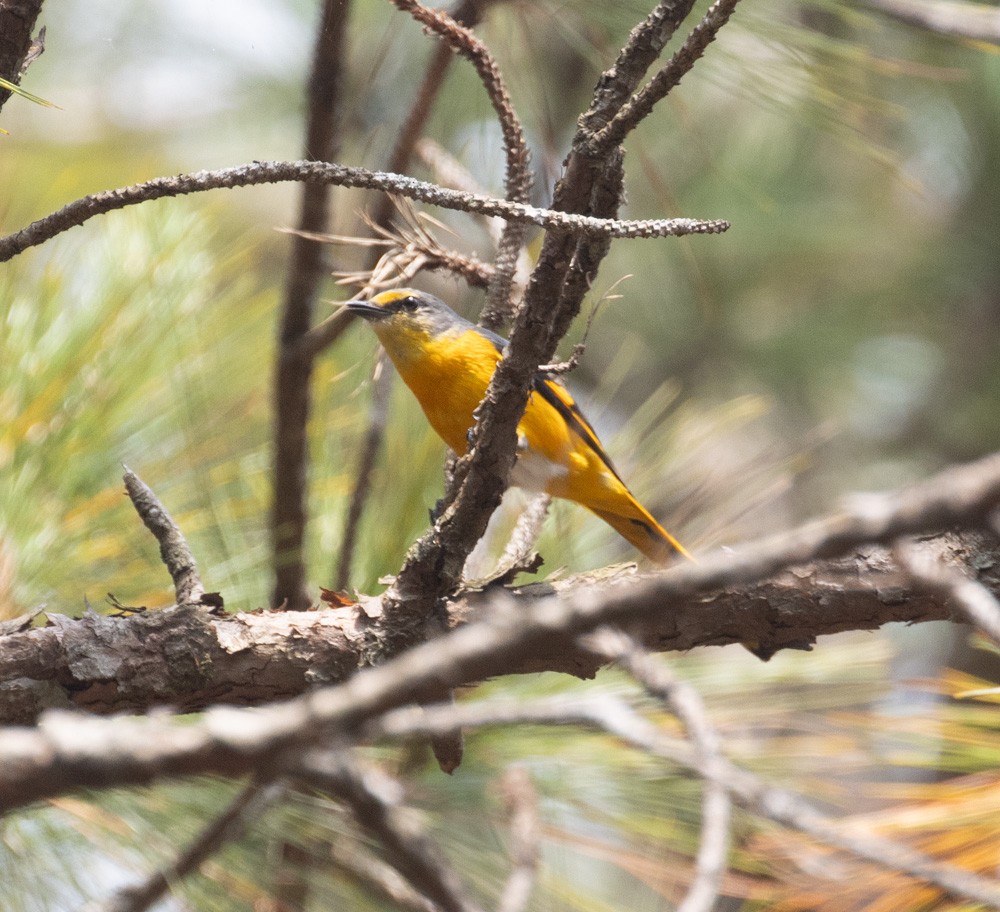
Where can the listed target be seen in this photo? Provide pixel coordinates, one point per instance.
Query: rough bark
(187, 659)
(17, 22)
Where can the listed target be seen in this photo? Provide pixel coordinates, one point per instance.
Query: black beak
(366, 310)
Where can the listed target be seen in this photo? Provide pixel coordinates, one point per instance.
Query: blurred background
(843, 335)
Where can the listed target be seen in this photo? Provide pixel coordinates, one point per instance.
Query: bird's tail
(645, 533)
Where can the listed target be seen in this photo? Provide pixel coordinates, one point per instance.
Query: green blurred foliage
(842, 335)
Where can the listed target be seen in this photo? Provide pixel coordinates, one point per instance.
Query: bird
(447, 362)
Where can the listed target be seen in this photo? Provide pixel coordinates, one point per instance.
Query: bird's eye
(409, 304)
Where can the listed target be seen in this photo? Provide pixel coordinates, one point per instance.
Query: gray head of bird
(406, 310)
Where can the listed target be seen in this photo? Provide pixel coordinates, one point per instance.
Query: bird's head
(404, 313)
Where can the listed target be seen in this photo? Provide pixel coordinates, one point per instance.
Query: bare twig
(375, 801)
(685, 702)
(174, 548)
(81, 210)
(450, 172)
(293, 373)
(978, 21)
(519, 555)
(969, 596)
(377, 416)
(521, 800)
(526, 532)
(376, 877)
(747, 789)
(641, 104)
(229, 826)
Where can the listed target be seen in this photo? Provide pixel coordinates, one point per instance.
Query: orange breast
(449, 376)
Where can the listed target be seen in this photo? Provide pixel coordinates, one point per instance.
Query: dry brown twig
(518, 177)
(641, 105)
(229, 826)
(82, 210)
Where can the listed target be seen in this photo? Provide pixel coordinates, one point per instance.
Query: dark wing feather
(559, 398)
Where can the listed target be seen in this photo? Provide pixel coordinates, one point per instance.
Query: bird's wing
(559, 398)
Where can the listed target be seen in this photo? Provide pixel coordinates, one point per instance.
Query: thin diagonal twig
(254, 173)
(376, 877)
(247, 806)
(969, 596)
(374, 799)
(642, 103)
(685, 702)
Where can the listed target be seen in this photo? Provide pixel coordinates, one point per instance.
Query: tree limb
(292, 372)
(81, 210)
(692, 604)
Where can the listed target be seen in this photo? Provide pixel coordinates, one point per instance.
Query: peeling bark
(187, 659)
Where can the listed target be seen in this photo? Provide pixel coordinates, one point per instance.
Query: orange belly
(449, 379)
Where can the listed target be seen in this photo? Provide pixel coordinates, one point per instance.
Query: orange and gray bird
(448, 362)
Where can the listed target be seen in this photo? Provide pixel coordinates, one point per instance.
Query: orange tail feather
(644, 533)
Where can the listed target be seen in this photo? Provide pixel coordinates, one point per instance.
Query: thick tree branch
(187, 659)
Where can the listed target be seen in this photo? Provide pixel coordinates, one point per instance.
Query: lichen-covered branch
(254, 173)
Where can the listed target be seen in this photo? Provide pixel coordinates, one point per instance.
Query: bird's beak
(366, 310)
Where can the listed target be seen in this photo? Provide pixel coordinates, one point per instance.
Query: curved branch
(274, 172)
